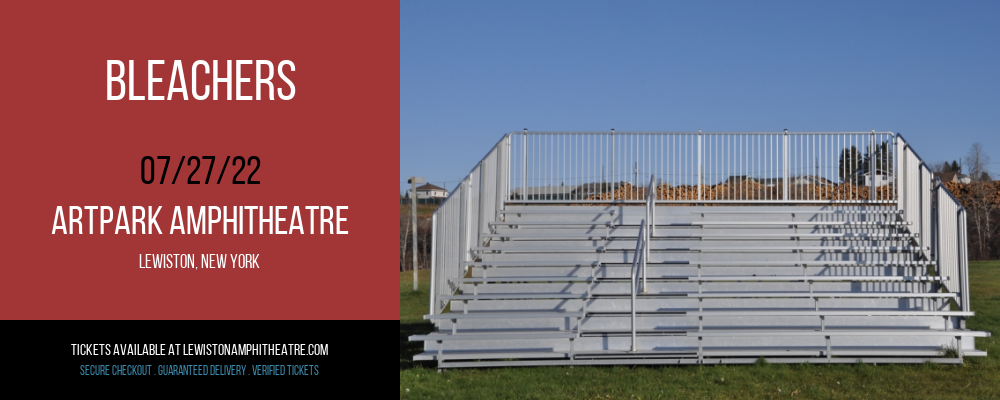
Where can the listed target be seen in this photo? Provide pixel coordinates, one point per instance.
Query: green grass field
(978, 378)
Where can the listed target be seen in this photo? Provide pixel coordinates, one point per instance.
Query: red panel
(65, 144)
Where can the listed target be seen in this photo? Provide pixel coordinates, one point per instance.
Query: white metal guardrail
(704, 167)
(461, 221)
(952, 245)
(853, 168)
(916, 193)
(938, 220)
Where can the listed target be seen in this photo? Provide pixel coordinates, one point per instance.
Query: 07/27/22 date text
(149, 166)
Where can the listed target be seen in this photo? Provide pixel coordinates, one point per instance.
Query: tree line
(406, 240)
(854, 164)
(981, 199)
(973, 186)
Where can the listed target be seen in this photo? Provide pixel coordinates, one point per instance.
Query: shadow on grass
(408, 349)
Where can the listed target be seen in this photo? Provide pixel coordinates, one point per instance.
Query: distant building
(953, 177)
(809, 180)
(881, 178)
(593, 189)
(770, 182)
(429, 191)
(737, 179)
(795, 180)
(565, 192)
(561, 192)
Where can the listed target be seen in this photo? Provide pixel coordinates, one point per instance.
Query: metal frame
(471, 229)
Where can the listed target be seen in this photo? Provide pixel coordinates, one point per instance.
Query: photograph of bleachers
(598, 248)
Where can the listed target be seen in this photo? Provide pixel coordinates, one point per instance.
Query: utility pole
(413, 181)
(635, 172)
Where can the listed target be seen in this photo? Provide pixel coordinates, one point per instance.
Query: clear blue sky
(473, 71)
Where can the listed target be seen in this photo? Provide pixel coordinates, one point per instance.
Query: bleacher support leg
(829, 348)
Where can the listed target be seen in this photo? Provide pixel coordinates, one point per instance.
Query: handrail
(641, 253)
(640, 247)
(650, 221)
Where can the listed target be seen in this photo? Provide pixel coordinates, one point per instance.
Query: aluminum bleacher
(708, 248)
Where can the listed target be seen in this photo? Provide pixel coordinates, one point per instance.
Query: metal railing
(952, 244)
(704, 167)
(937, 220)
(638, 264)
(917, 194)
(641, 253)
(461, 221)
(650, 224)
